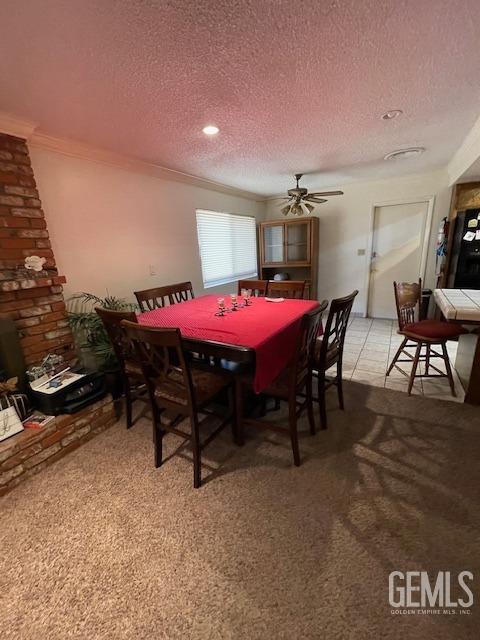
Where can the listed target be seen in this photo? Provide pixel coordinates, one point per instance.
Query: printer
(67, 392)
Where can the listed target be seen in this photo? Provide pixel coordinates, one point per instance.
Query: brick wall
(31, 451)
(34, 301)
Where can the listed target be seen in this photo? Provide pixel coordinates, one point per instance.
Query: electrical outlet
(360, 252)
(152, 270)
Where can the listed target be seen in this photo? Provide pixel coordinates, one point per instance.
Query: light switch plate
(360, 252)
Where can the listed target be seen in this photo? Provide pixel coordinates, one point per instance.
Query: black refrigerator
(464, 270)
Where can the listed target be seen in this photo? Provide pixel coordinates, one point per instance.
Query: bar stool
(420, 333)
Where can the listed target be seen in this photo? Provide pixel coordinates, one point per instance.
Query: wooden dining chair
(286, 288)
(293, 385)
(158, 297)
(419, 332)
(257, 287)
(172, 384)
(328, 352)
(131, 373)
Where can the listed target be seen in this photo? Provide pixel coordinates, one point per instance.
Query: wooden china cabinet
(290, 246)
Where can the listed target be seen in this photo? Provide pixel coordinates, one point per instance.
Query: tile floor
(369, 348)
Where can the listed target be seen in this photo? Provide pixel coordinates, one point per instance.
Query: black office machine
(68, 392)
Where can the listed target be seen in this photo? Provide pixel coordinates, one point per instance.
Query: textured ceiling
(293, 85)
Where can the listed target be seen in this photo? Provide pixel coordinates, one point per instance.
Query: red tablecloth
(270, 328)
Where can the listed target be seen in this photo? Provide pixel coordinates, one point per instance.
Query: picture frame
(10, 423)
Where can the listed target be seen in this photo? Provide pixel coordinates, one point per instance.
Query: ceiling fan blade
(282, 201)
(326, 193)
(312, 199)
(284, 198)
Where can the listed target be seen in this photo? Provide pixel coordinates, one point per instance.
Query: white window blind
(228, 247)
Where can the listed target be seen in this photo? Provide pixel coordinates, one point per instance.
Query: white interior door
(397, 248)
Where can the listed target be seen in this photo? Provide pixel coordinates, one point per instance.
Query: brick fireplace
(35, 302)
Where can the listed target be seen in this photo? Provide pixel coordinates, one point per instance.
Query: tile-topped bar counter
(463, 306)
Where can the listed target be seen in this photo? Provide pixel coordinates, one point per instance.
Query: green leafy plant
(88, 327)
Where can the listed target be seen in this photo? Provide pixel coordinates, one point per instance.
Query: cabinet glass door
(298, 242)
(273, 244)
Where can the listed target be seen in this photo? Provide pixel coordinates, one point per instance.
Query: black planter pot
(114, 382)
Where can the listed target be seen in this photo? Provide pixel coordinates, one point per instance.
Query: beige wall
(107, 225)
(345, 223)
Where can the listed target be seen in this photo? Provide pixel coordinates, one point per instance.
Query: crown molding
(85, 152)
(18, 127)
(466, 154)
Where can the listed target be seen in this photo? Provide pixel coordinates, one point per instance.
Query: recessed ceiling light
(210, 130)
(404, 153)
(392, 114)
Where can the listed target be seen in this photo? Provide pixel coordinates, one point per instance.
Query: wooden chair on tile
(286, 288)
(257, 287)
(158, 297)
(419, 333)
(132, 375)
(293, 385)
(173, 384)
(329, 352)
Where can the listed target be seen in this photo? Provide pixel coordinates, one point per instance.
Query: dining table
(261, 334)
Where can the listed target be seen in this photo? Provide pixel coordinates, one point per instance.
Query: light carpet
(101, 545)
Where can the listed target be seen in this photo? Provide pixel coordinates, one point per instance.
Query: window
(228, 247)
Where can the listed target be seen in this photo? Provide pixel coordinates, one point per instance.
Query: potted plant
(95, 346)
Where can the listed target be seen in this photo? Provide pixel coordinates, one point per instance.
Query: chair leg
(309, 400)
(128, 403)
(232, 401)
(427, 359)
(321, 400)
(449, 369)
(158, 445)
(340, 385)
(292, 422)
(397, 355)
(239, 411)
(414, 367)
(197, 453)
(158, 434)
(263, 406)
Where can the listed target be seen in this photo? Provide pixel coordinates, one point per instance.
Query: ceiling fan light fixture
(297, 210)
(300, 201)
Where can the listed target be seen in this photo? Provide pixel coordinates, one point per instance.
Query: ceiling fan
(298, 199)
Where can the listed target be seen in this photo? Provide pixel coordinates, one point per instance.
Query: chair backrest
(257, 287)
(112, 322)
(335, 330)
(159, 352)
(155, 298)
(286, 288)
(407, 300)
(305, 346)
